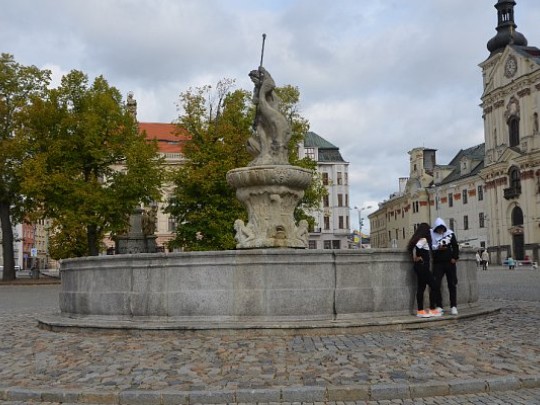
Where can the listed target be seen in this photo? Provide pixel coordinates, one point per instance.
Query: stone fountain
(269, 187)
(270, 281)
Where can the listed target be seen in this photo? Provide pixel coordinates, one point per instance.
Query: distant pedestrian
(419, 247)
(511, 263)
(478, 259)
(485, 259)
(445, 256)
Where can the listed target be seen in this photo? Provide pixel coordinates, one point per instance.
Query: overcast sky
(377, 78)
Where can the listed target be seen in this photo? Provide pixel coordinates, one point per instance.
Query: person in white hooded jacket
(445, 256)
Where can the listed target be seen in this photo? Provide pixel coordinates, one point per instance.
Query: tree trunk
(7, 243)
(93, 243)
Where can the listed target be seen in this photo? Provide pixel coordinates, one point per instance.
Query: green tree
(204, 205)
(18, 84)
(220, 122)
(290, 107)
(90, 166)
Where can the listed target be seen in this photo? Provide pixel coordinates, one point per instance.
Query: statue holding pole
(270, 187)
(268, 143)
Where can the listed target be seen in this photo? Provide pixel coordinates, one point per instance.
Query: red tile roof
(170, 137)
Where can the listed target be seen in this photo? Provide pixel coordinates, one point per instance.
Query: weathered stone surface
(270, 195)
(268, 284)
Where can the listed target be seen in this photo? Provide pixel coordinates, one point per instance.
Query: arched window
(517, 216)
(513, 131)
(515, 178)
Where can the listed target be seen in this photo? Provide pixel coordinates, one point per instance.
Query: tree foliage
(204, 205)
(18, 85)
(90, 166)
(220, 122)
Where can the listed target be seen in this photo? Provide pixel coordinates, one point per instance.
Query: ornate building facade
(511, 105)
(332, 225)
(489, 193)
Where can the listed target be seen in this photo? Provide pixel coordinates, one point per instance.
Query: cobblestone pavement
(502, 349)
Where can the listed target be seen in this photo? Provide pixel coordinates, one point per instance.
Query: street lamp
(360, 222)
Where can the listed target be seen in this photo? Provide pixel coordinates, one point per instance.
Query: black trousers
(441, 269)
(424, 278)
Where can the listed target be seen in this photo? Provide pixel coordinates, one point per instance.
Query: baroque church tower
(511, 105)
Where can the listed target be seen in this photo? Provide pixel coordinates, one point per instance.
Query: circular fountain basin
(283, 288)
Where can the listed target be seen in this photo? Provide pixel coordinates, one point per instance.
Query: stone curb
(360, 392)
(67, 323)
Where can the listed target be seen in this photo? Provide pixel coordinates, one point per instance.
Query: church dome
(506, 28)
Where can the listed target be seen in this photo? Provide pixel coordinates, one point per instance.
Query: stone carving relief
(512, 108)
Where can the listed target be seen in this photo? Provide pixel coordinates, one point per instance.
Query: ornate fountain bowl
(270, 195)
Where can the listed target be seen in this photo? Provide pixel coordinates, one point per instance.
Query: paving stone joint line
(365, 392)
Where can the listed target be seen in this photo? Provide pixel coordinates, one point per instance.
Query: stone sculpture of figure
(271, 132)
(243, 233)
(149, 219)
(303, 231)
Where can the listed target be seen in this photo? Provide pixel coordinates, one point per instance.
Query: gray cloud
(376, 78)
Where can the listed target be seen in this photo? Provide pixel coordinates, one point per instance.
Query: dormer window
(310, 153)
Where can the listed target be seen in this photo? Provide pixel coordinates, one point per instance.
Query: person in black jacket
(445, 256)
(419, 248)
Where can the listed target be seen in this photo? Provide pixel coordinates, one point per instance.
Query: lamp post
(360, 222)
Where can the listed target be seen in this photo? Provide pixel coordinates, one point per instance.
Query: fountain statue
(270, 188)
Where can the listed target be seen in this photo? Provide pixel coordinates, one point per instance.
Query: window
(480, 193)
(341, 222)
(340, 200)
(326, 201)
(339, 178)
(310, 153)
(328, 244)
(336, 244)
(346, 200)
(481, 220)
(464, 196)
(326, 223)
(171, 225)
(465, 222)
(452, 224)
(325, 179)
(513, 131)
(312, 244)
(450, 200)
(515, 178)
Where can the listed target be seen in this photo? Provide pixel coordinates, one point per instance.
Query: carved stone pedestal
(136, 241)
(270, 194)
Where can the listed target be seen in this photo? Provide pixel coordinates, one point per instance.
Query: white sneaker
(454, 311)
(440, 310)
